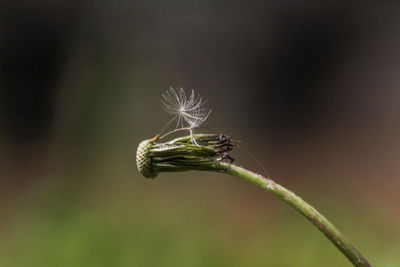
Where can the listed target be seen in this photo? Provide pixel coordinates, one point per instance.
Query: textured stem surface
(325, 226)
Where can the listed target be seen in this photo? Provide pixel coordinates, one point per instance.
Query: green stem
(325, 226)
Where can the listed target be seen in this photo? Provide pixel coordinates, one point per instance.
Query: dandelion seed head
(190, 111)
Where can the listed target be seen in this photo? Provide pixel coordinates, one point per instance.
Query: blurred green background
(311, 90)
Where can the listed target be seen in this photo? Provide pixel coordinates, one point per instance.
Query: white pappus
(190, 112)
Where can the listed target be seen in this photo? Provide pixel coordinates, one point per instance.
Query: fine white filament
(190, 112)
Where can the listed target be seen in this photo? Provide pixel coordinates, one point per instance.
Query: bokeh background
(311, 89)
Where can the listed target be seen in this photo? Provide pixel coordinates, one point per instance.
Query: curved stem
(316, 218)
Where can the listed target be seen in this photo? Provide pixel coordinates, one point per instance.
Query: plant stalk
(316, 218)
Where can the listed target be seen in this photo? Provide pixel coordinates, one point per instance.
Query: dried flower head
(191, 152)
(180, 154)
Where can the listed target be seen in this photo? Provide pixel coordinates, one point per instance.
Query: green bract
(180, 154)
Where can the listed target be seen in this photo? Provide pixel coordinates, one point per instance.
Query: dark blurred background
(311, 89)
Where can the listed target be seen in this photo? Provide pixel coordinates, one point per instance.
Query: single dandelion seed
(189, 111)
